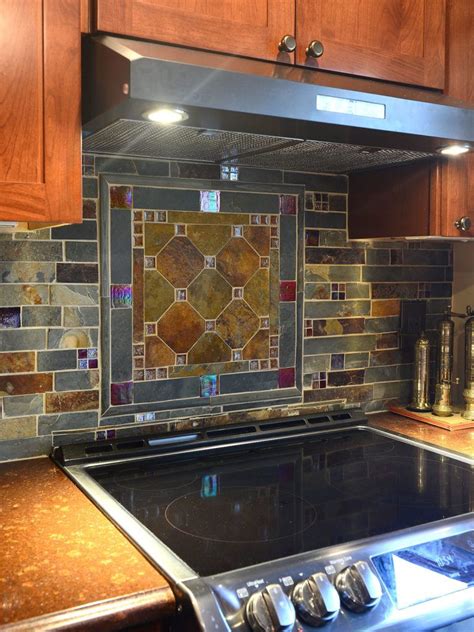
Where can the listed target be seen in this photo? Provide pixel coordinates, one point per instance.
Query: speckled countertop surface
(460, 441)
(59, 552)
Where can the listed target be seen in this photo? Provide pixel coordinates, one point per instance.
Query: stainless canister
(421, 379)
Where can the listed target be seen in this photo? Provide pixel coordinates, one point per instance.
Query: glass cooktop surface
(223, 511)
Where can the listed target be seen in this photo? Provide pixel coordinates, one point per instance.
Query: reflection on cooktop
(228, 510)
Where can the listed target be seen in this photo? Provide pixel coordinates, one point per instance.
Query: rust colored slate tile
(25, 384)
(89, 209)
(180, 262)
(68, 401)
(394, 290)
(387, 341)
(348, 394)
(209, 238)
(208, 218)
(159, 295)
(257, 292)
(237, 262)
(120, 197)
(259, 238)
(77, 272)
(274, 291)
(258, 348)
(17, 362)
(389, 307)
(209, 294)
(157, 354)
(138, 288)
(216, 368)
(156, 237)
(237, 324)
(180, 327)
(346, 378)
(335, 255)
(210, 348)
(338, 326)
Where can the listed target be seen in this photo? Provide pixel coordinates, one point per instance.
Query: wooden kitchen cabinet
(252, 28)
(40, 126)
(394, 40)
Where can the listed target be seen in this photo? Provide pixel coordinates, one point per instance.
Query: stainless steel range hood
(256, 113)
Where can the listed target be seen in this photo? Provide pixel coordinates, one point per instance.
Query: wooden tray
(456, 422)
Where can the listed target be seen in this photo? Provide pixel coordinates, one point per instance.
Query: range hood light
(454, 150)
(166, 116)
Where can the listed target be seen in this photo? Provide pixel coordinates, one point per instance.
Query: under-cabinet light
(166, 116)
(454, 150)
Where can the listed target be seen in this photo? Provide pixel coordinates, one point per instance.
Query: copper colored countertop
(460, 441)
(58, 552)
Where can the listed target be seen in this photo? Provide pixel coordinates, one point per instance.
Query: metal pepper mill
(442, 406)
(421, 380)
(468, 392)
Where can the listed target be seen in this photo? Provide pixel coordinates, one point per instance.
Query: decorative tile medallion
(206, 289)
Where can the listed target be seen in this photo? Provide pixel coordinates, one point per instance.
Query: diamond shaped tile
(257, 292)
(209, 294)
(237, 324)
(208, 349)
(158, 295)
(259, 238)
(157, 236)
(157, 354)
(180, 262)
(237, 261)
(209, 239)
(257, 348)
(180, 327)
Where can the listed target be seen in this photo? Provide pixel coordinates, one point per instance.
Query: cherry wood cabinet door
(252, 28)
(395, 40)
(40, 126)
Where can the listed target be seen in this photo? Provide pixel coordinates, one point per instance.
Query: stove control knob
(358, 587)
(270, 610)
(316, 600)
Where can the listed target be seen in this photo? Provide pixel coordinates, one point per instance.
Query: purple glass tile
(82, 353)
(286, 377)
(312, 237)
(121, 394)
(288, 204)
(111, 434)
(100, 435)
(337, 361)
(120, 197)
(10, 317)
(209, 386)
(121, 295)
(93, 363)
(287, 291)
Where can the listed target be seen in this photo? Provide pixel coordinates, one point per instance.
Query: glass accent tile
(273, 341)
(92, 352)
(150, 374)
(10, 317)
(264, 365)
(179, 229)
(121, 295)
(274, 352)
(120, 197)
(264, 262)
(288, 204)
(121, 394)
(338, 291)
(311, 237)
(138, 375)
(137, 228)
(149, 216)
(274, 231)
(139, 363)
(264, 323)
(321, 202)
(160, 216)
(229, 172)
(236, 355)
(255, 219)
(150, 416)
(265, 219)
(150, 329)
(181, 295)
(319, 380)
(210, 262)
(274, 243)
(237, 231)
(210, 325)
(209, 385)
(181, 359)
(150, 262)
(273, 363)
(82, 353)
(238, 292)
(337, 361)
(210, 201)
(138, 241)
(161, 374)
(424, 290)
(100, 435)
(286, 377)
(138, 216)
(93, 363)
(254, 365)
(111, 434)
(274, 219)
(82, 364)
(287, 291)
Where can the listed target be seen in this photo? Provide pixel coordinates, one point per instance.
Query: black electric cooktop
(235, 508)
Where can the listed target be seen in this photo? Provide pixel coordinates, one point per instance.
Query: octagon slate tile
(210, 348)
(180, 261)
(237, 324)
(257, 292)
(237, 261)
(258, 347)
(180, 327)
(209, 293)
(259, 238)
(157, 236)
(209, 239)
(157, 354)
(158, 295)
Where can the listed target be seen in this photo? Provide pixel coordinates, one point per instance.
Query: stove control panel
(411, 582)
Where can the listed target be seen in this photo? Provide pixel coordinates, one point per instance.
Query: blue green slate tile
(165, 199)
(65, 421)
(41, 316)
(120, 247)
(339, 344)
(238, 202)
(74, 294)
(57, 360)
(314, 219)
(31, 251)
(86, 231)
(248, 382)
(318, 182)
(22, 405)
(288, 247)
(27, 272)
(79, 251)
(81, 316)
(22, 339)
(89, 187)
(80, 380)
(121, 345)
(163, 390)
(152, 167)
(287, 352)
(25, 448)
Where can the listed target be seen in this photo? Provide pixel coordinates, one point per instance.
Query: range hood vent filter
(177, 142)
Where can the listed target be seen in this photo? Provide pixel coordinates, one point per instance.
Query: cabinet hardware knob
(463, 224)
(287, 44)
(315, 49)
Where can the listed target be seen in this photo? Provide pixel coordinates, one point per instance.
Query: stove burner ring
(192, 515)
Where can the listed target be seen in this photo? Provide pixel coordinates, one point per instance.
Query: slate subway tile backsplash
(353, 293)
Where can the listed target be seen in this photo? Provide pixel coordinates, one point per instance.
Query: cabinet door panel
(40, 133)
(394, 40)
(242, 27)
